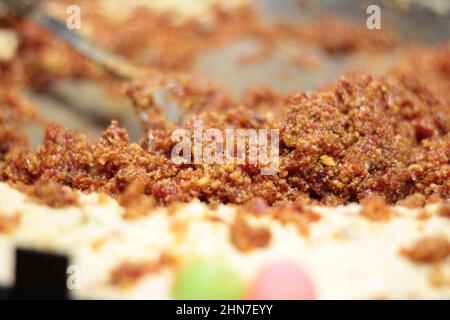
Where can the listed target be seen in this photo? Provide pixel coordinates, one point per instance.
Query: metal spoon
(112, 62)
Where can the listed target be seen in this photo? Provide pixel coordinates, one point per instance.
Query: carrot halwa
(363, 136)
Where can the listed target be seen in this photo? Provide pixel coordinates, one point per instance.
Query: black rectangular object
(5, 293)
(40, 275)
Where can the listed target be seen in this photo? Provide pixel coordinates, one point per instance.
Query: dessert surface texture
(357, 207)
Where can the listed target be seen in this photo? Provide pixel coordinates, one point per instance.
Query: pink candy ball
(282, 281)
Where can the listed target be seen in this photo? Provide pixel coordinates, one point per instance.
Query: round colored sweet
(208, 280)
(282, 281)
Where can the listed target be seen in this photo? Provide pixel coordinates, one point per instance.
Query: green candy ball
(208, 280)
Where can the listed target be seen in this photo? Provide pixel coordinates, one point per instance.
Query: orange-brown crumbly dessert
(129, 272)
(246, 237)
(9, 223)
(428, 250)
(371, 132)
(386, 136)
(363, 136)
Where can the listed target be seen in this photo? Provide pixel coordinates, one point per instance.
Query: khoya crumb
(428, 250)
(8, 223)
(129, 272)
(423, 215)
(439, 277)
(298, 215)
(53, 194)
(256, 206)
(135, 201)
(375, 208)
(413, 201)
(444, 209)
(246, 237)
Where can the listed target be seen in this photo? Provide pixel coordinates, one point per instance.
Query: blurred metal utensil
(112, 62)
